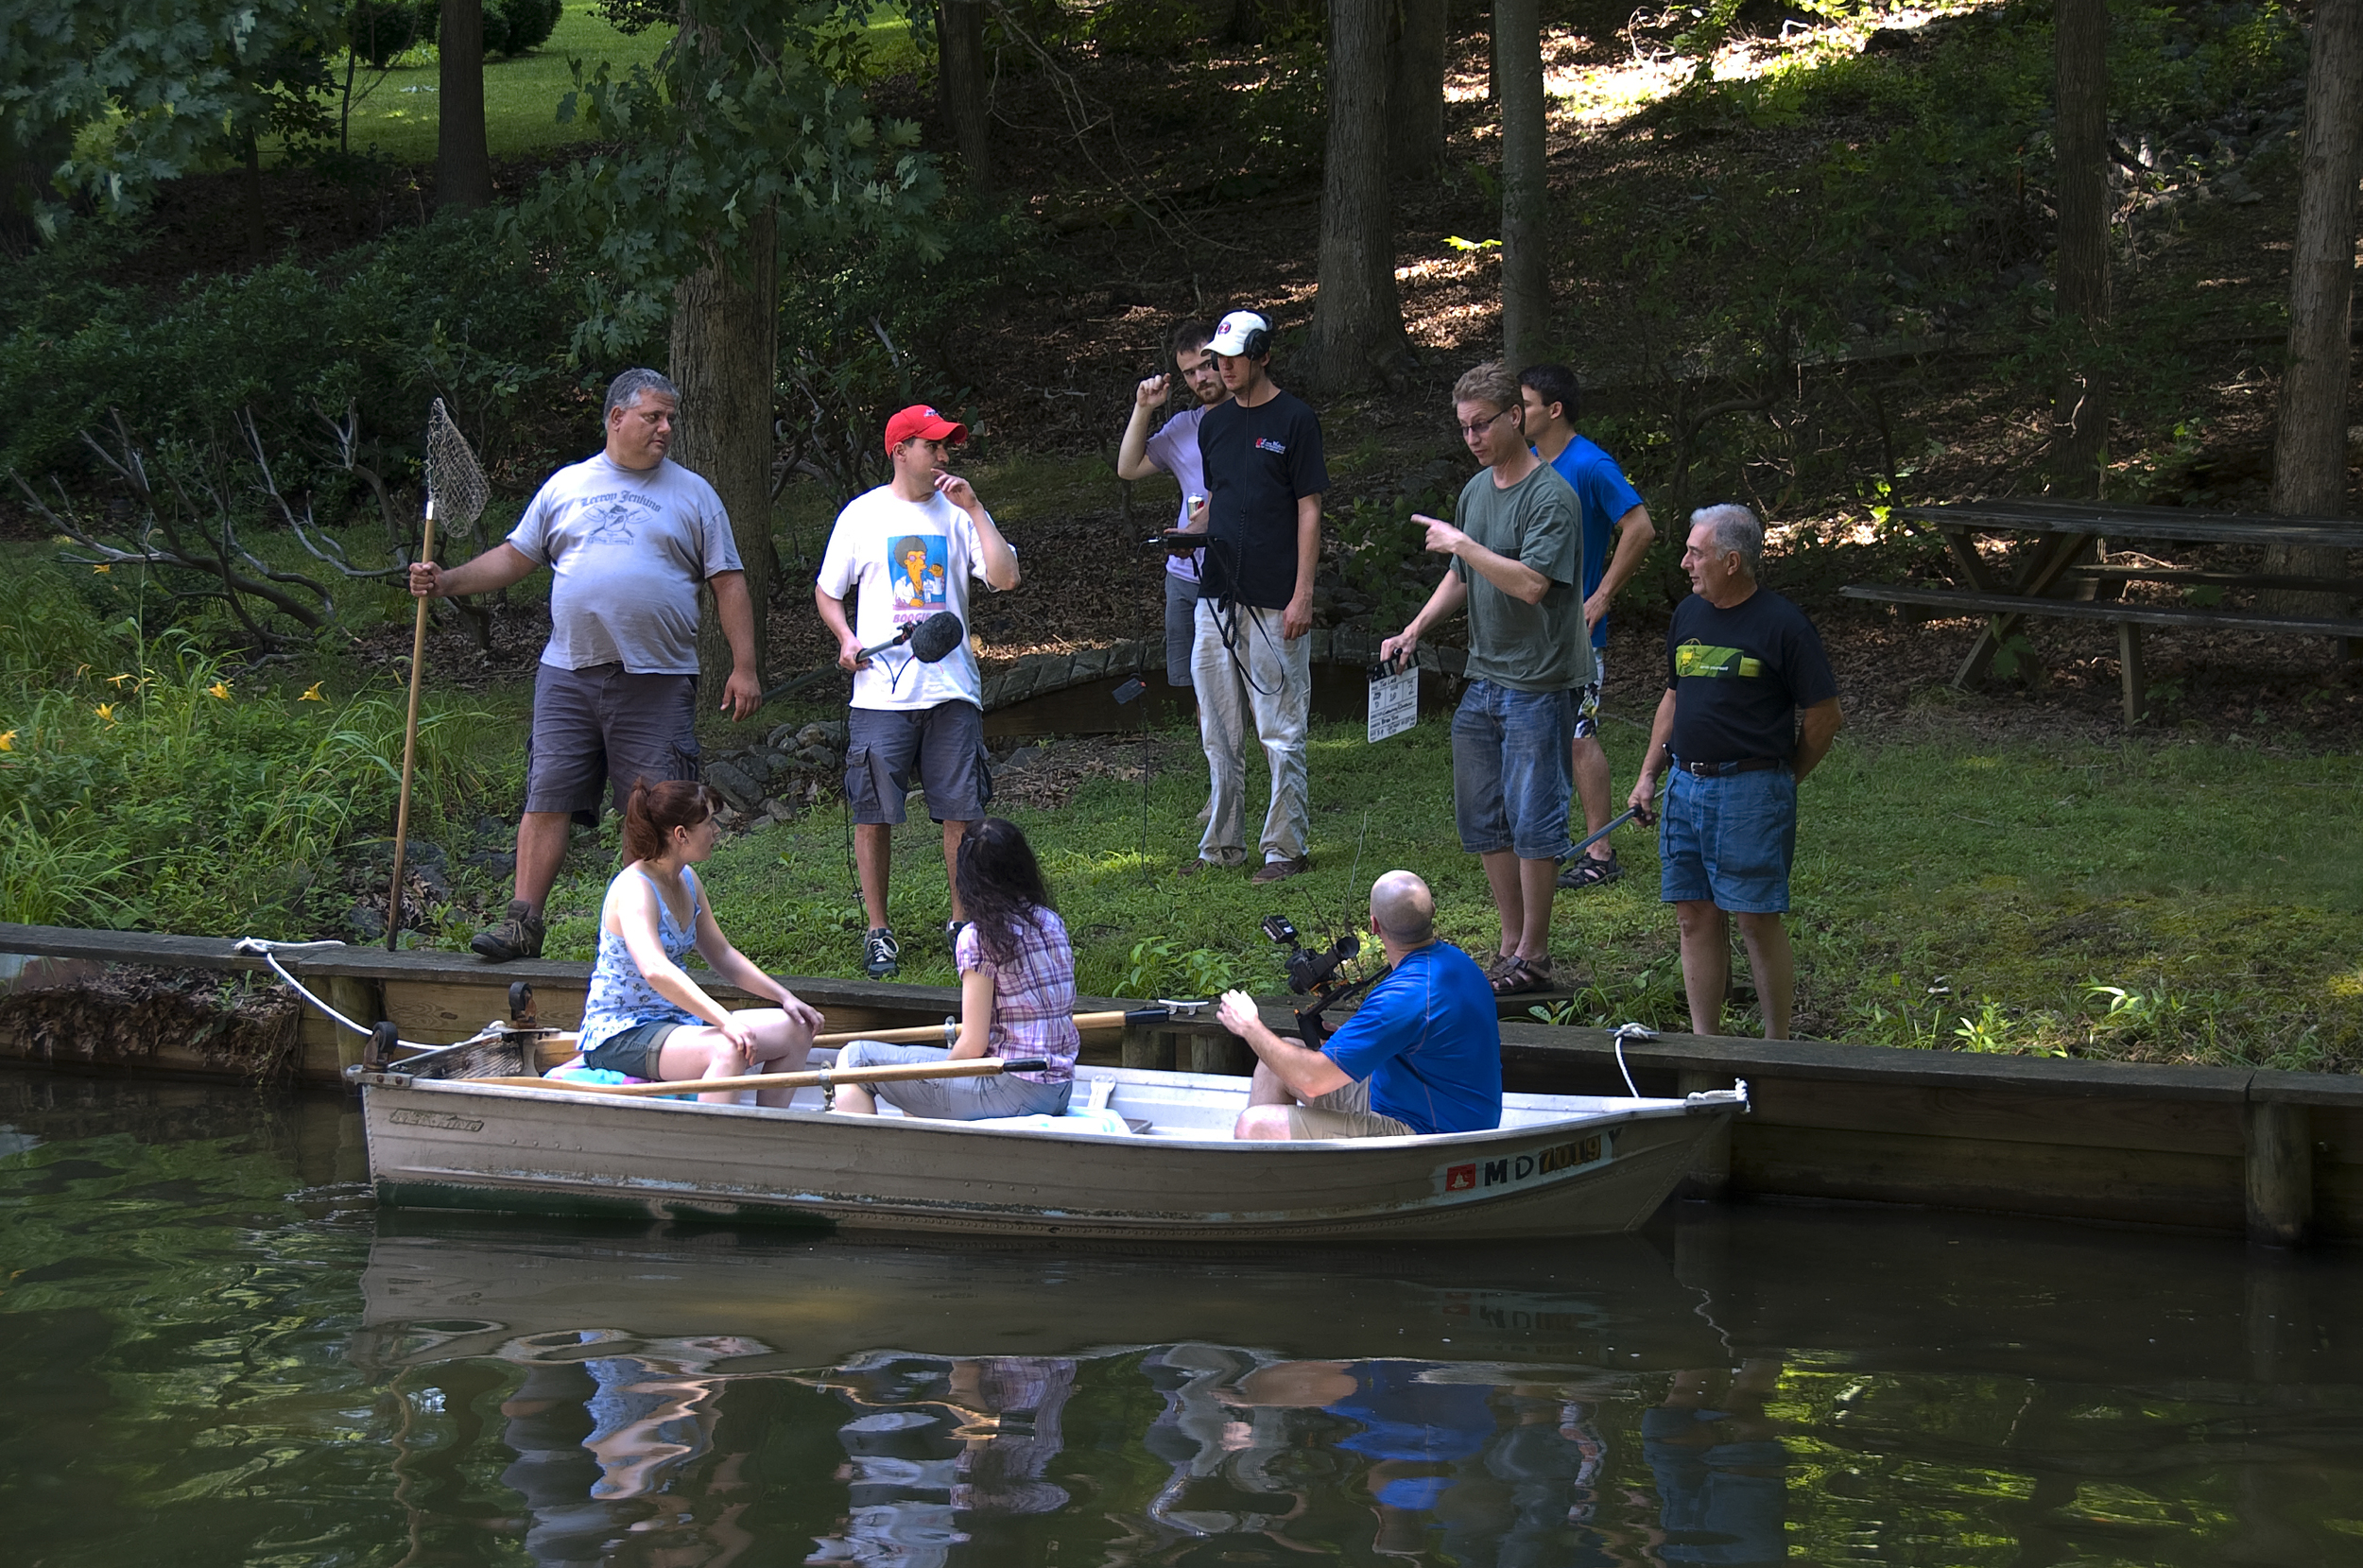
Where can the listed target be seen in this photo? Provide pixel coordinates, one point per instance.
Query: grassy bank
(146, 783)
(2159, 900)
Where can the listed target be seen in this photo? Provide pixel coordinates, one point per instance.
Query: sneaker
(519, 936)
(1281, 871)
(1589, 870)
(1197, 863)
(881, 956)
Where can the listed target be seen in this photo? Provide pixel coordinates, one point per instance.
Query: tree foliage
(745, 111)
(146, 90)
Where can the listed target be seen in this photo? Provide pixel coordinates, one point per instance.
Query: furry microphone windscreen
(937, 636)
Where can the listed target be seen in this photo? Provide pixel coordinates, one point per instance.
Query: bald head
(1404, 908)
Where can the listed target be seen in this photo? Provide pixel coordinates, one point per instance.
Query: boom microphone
(931, 642)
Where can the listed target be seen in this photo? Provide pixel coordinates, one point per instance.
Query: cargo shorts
(602, 724)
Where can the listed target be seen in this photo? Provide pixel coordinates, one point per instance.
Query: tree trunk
(463, 161)
(724, 359)
(961, 77)
(257, 233)
(1526, 182)
(2080, 420)
(1357, 316)
(1415, 92)
(2309, 447)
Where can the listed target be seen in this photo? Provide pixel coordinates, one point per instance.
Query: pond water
(215, 1349)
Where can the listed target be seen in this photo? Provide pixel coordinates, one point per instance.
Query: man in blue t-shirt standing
(1612, 510)
(1750, 707)
(1422, 1053)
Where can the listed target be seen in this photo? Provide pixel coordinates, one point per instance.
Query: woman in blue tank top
(645, 1017)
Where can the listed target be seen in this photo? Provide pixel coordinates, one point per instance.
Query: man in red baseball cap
(910, 548)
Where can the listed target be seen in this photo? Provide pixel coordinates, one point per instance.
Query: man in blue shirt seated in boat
(1422, 1054)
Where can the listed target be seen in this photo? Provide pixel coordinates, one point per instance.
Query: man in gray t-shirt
(629, 538)
(1517, 564)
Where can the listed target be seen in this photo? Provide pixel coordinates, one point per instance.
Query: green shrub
(516, 26)
(435, 311)
(381, 29)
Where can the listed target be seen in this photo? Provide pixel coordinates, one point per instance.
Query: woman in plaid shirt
(1017, 995)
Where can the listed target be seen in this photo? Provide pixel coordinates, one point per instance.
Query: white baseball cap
(1230, 338)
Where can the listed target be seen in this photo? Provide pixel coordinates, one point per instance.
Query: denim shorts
(1730, 840)
(1510, 787)
(942, 748)
(634, 1053)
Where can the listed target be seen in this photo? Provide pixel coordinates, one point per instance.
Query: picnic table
(2057, 576)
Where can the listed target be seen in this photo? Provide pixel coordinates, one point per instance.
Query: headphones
(1258, 344)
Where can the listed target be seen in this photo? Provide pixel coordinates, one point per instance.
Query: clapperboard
(1395, 701)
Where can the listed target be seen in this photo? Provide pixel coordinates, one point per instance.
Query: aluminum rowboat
(1560, 1164)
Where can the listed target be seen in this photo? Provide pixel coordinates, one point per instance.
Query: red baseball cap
(920, 420)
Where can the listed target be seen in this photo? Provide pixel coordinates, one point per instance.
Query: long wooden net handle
(409, 745)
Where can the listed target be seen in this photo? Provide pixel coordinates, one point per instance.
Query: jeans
(1258, 674)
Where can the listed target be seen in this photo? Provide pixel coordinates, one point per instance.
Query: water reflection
(212, 1351)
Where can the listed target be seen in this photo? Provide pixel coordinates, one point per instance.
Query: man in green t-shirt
(1517, 561)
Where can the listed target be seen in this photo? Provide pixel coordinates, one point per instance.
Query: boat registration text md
(1515, 1169)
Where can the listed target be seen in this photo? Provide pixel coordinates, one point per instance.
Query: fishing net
(456, 492)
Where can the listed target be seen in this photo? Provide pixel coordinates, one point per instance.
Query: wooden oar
(973, 1067)
(922, 1033)
(554, 1049)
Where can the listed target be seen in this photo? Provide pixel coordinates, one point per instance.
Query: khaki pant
(1343, 1114)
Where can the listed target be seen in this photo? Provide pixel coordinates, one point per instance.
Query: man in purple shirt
(1174, 450)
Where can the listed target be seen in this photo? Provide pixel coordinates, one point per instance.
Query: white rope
(1637, 1031)
(268, 952)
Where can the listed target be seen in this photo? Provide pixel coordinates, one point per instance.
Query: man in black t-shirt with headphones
(1252, 657)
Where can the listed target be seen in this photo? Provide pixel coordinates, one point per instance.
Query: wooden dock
(2276, 1155)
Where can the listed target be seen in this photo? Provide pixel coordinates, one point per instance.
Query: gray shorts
(954, 1099)
(1180, 627)
(942, 748)
(1343, 1114)
(604, 725)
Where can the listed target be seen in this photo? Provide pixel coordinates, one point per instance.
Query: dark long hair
(1001, 885)
(656, 809)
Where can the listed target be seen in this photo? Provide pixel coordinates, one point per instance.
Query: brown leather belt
(1716, 769)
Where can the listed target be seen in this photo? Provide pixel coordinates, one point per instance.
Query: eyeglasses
(1481, 426)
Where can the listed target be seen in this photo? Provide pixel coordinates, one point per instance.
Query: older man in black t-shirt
(1251, 658)
(1742, 664)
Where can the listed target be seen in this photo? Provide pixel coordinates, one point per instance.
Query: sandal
(1589, 870)
(1519, 976)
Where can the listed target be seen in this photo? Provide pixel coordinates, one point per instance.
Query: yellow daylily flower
(119, 680)
(102, 566)
(312, 693)
(219, 689)
(7, 740)
(106, 711)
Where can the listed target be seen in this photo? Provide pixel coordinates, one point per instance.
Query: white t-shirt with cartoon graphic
(626, 549)
(899, 563)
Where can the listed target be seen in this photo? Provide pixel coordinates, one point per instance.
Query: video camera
(1309, 969)
(1313, 972)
